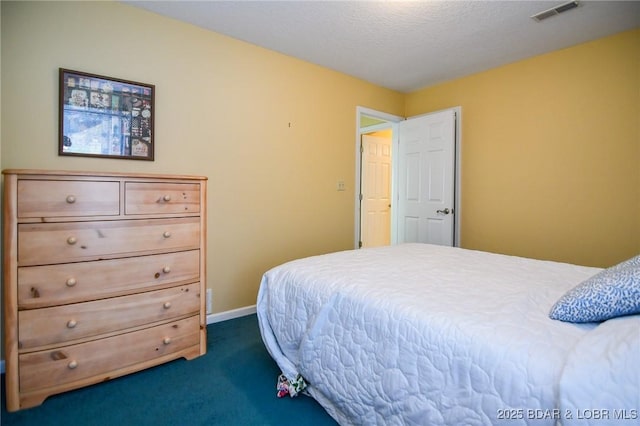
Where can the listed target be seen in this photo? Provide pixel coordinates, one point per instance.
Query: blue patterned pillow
(610, 293)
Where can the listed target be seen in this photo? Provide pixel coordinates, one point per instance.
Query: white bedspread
(418, 334)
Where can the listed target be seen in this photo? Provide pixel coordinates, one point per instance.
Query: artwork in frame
(105, 117)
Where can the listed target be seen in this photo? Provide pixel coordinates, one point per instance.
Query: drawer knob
(72, 323)
(166, 234)
(166, 269)
(72, 365)
(167, 305)
(71, 282)
(166, 340)
(167, 197)
(71, 199)
(72, 240)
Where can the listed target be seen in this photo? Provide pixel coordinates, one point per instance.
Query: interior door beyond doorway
(375, 208)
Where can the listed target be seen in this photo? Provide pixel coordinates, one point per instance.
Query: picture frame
(105, 117)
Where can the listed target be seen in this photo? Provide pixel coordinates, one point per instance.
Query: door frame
(392, 122)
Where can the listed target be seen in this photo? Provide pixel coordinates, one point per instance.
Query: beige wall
(223, 109)
(551, 153)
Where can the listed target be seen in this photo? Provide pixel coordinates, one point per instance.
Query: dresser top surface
(33, 172)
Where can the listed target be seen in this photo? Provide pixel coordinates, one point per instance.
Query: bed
(418, 334)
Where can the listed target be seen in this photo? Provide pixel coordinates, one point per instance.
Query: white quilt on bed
(417, 334)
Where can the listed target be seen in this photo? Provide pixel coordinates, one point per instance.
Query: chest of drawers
(104, 275)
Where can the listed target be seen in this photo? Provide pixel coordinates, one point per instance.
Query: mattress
(417, 334)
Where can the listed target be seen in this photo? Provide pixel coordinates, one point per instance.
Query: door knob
(445, 211)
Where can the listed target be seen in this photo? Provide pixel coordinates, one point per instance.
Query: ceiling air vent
(554, 11)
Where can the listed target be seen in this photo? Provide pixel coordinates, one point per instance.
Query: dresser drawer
(48, 285)
(161, 198)
(61, 198)
(68, 364)
(40, 327)
(46, 243)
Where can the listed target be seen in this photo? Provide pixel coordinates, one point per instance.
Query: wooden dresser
(104, 275)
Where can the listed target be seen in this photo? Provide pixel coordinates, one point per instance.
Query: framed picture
(105, 117)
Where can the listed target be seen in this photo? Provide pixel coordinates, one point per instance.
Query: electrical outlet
(209, 301)
(341, 186)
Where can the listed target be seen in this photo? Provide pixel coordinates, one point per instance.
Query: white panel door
(426, 179)
(375, 208)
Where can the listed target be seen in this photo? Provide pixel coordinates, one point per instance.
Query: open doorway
(404, 225)
(377, 133)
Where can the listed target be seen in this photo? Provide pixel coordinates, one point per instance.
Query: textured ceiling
(402, 45)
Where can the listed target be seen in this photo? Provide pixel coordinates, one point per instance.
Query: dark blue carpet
(233, 384)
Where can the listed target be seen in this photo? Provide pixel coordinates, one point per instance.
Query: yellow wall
(551, 153)
(223, 109)
(551, 156)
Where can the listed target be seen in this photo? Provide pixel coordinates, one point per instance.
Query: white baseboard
(211, 318)
(234, 313)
